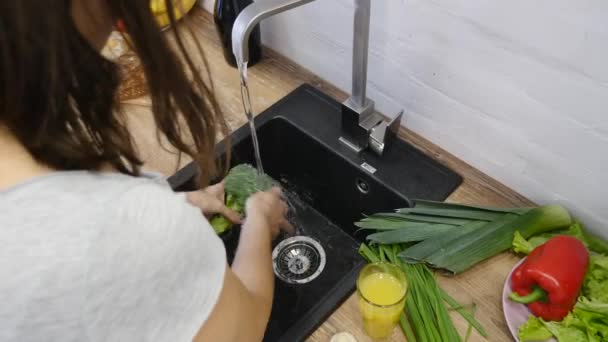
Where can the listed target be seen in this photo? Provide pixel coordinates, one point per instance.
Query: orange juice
(381, 301)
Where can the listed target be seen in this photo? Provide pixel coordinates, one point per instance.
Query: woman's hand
(266, 211)
(211, 201)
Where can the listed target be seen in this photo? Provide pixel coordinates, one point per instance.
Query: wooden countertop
(274, 78)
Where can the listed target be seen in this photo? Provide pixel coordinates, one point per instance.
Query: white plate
(516, 314)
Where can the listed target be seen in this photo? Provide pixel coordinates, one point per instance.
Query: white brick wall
(517, 88)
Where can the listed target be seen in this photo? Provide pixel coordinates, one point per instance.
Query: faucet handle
(379, 135)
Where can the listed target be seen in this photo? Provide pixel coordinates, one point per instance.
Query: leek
(447, 205)
(410, 234)
(471, 214)
(426, 248)
(454, 237)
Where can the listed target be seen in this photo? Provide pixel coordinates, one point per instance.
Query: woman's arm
(246, 298)
(211, 201)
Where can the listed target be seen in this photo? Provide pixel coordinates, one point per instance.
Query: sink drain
(298, 260)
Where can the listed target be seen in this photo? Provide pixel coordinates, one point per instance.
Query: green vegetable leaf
(422, 250)
(579, 325)
(221, 224)
(596, 243)
(595, 286)
(565, 333)
(410, 234)
(595, 324)
(527, 246)
(380, 224)
(470, 214)
(521, 245)
(445, 205)
(243, 181)
(592, 306)
(368, 253)
(478, 245)
(433, 219)
(533, 330)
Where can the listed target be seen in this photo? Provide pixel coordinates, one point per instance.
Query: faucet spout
(250, 17)
(362, 127)
(360, 54)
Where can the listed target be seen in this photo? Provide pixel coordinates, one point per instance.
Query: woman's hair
(58, 95)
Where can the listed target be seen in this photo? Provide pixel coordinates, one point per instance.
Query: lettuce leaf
(578, 326)
(595, 324)
(593, 243)
(533, 330)
(566, 333)
(595, 286)
(589, 305)
(521, 245)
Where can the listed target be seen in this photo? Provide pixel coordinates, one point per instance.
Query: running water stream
(246, 98)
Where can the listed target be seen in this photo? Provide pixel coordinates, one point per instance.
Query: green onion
(426, 316)
(470, 327)
(463, 312)
(407, 328)
(368, 254)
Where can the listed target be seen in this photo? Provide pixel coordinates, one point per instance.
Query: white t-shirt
(104, 257)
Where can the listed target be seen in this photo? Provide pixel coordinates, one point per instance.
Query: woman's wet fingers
(277, 191)
(230, 214)
(288, 227)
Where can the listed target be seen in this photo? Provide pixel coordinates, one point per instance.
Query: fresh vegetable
(588, 321)
(578, 325)
(455, 237)
(534, 330)
(592, 242)
(596, 282)
(426, 316)
(221, 224)
(241, 182)
(550, 279)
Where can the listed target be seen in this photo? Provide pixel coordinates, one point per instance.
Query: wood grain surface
(272, 79)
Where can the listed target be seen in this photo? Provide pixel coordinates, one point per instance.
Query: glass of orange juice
(382, 288)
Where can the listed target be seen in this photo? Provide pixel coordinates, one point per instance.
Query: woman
(88, 249)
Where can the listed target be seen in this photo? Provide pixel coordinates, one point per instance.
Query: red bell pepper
(550, 279)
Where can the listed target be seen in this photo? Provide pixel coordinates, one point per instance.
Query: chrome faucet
(362, 127)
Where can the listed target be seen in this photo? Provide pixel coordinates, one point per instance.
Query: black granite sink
(330, 187)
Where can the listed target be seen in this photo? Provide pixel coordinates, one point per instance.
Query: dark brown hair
(58, 95)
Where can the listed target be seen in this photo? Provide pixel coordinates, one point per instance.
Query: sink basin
(329, 187)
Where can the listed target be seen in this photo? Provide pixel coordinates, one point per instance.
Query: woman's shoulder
(95, 197)
(95, 185)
